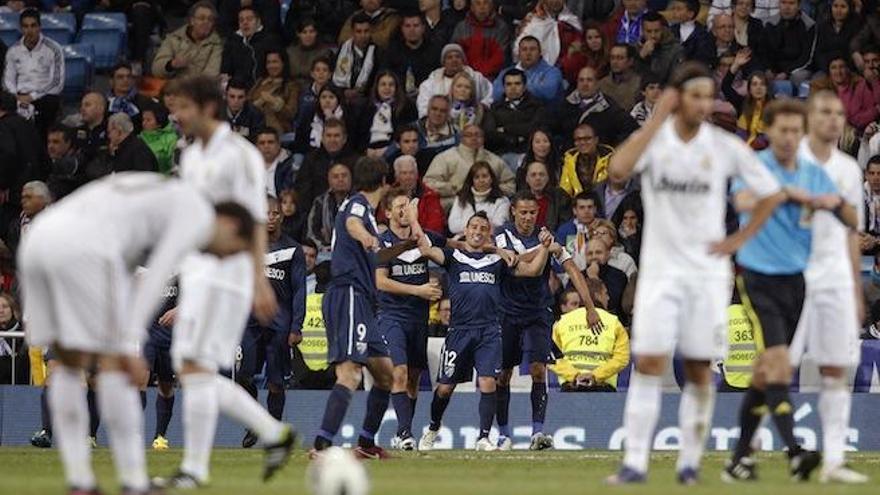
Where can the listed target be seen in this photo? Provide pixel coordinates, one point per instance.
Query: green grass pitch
(28, 471)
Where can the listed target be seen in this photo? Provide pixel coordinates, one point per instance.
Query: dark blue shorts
(158, 358)
(469, 349)
(352, 333)
(407, 341)
(531, 338)
(261, 346)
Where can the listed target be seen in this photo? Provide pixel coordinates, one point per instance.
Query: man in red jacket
(485, 38)
(406, 175)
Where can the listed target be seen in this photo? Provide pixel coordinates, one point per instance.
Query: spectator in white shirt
(481, 192)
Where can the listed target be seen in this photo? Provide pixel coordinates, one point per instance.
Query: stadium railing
(14, 337)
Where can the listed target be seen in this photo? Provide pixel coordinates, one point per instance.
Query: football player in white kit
(686, 279)
(216, 295)
(77, 265)
(829, 326)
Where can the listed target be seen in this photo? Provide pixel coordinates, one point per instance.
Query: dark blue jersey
(161, 335)
(474, 287)
(409, 268)
(286, 271)
(351, 264)
(524, 297)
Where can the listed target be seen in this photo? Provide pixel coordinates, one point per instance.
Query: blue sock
(164, 408)
(334, 413)
(488, 404)
(377, 404)
(503, 394)
(438, 407)
(403, 407)
(539, 406)
(275, 404)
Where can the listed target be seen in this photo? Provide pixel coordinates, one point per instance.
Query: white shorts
(828, 331)
(688, 315)
(75, 296)
(215, 301)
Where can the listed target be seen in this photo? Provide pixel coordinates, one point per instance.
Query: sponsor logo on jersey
(476, 278)
(406, 270)
(169, 291)
(666, 184)
(275, 273)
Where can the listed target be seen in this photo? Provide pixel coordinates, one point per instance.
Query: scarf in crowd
(594, 104)
(353, 68)
(873, 202)
(546, 29)
(752, 125)
(438, 135)
(318, 126)
(463, 114)
(382, 128)
(123, 104)
(480, 197)
(630, 30)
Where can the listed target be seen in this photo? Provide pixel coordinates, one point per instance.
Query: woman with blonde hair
(466, 108)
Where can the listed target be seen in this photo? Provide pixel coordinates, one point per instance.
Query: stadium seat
(9, 31)
(59, 27)
(107, 33)
(78, 67)
(9, 18)
(285, 6)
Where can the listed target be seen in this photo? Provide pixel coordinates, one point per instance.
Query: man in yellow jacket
(592, 359)
(586, 164)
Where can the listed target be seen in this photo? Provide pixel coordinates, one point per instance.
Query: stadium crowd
(469, 101)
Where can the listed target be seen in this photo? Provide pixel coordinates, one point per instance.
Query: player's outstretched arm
(580, 285)
(385, 255)
(355, 227)
(624, 160)
(534, 266)
(761, 211)
(433, 253)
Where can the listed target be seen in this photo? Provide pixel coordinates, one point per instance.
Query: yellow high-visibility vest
(742, 350)
(314, 342)
(582, 349)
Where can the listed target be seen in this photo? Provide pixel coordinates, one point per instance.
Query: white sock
(120, 405)
(236, 403)
(200, 412)
(835, 401)
(640, 418)
(70, 426)
(695, 419)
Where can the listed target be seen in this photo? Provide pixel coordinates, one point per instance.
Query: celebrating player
(404, 294)
(772, 283)
(216, 295)
(474, 338)
(76, 266)
(683, 291)
(527, 319)
(157, 353)
(270, 344)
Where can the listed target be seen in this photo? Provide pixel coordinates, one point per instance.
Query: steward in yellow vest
(742, 350)
(314, 343)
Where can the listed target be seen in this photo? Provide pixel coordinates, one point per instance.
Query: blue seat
(105, 20)
(285, 6)
(78, 68)
(107, 33)
(10, 18)
(9, 35)
(59, 27)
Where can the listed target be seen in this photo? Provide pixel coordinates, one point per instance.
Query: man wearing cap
(440, 81)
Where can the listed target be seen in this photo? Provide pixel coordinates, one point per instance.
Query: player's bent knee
(538, 371)
(651, 365)
(698, 372)
(832, 372)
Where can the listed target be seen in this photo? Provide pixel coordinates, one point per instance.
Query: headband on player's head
(696, 80)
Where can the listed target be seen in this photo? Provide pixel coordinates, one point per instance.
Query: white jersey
(684, 191)
(227, 168)
(131, 216)
(830, 265)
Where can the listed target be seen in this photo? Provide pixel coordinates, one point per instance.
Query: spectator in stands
(194, 49)
(142, 18)
(629, 230)
(160, 136)
(652, 88)
(749, 31)
(598, 268)
(13, 7)
(22, 154)
(612, 195)
(622, 84)
(383, 23)
(439, 23)
(626, 23)
(480, 191)
(554, 206)
(605, 230)
(723, 37)
(444, 312)
(541, 148)
(406, 176)
(861, 109)
(407, 143)
(91, 135)
(127, 151)
(834, 33)
(595, 52)
(436, 131)
(357, 61)
(243, 117)
(329, 15)
(34, 73)
(307, 48)
(320, 73)
(35, 197)
(465, 108)
(587, 163)
(790, 37)
(868, 36)
(388, 109)
(449, 169)
(587, 104)
(277, 160)
(323, 213)
(484, 36)
(244, 52)
(555, 29)
(591, 363)
(227, 15)
(331, 105)
(696, 42)
(440, 81)
(274, 94)
(294, 223)
(545, 82)
(412, 54)
(64, 163)
(124, 96)
(575, 233)
(749, 108)
(871, 70)
(311, 180)
(870, 240)
(660, 52)
(512, 118)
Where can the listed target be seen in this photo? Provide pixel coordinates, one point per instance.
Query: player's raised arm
(534, 266)
(580, 285)
(429, 291)
(625, 158)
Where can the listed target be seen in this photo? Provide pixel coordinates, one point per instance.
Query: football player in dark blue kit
(270, 345)
(404, 295)
(353, 338)
(527, 318)
(157, 354)
(474, 338)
